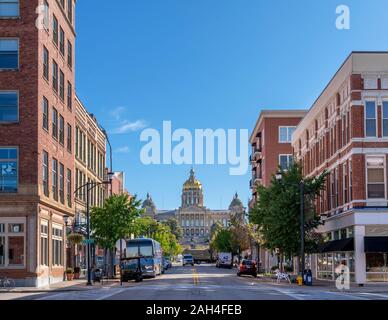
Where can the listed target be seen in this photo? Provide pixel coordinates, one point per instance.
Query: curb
(59, 290)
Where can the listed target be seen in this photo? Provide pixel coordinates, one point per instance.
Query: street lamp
(89, 187)
(301, 186)
(66, 221)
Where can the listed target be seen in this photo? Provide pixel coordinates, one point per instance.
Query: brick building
(37, 129)
(36, 154)
(346, 133)
(271, 148)
(90, 153)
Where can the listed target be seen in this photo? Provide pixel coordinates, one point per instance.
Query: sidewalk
(372, 287)
(66, 286)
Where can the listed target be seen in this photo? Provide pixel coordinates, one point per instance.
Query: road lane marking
(195, 276)
(374, 294)
(111, 294)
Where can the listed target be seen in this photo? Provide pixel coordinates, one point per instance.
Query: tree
(161, 232)
(222, 241)
(114, 221)
(175, 228)
(277, 212)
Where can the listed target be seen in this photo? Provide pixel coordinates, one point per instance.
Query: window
(61, 130)
(62, 4)
(55, 179)
(69, 137)
(62, 41)
(44, 243)
(9, 54)
(285, 134)
(61, 183)
(55, 30)
(68, 188)
(76, 141)
(12, 246)
(55, 123)
(70, 10)
(46, 63)
(61, 85)
(45, 172)
(285, 161)
(9, 8)
(57, 245)
(370, 119)
(45, 114)
(69, 95)
(345, 183)
(385, 119)
(350, 181)
(46, 17)
(69, 54)
(9, 106)
(8, 170)
(375, 177)
(55, 76)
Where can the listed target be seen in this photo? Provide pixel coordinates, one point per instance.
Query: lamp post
(66, 221)
(301, 186)
(89, 186)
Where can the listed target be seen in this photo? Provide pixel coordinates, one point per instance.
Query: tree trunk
(281, 262)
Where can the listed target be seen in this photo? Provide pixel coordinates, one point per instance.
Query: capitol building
(195, 219)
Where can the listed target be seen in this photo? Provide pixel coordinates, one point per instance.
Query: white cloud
(127, 126)
(122, 150)
(117, 112)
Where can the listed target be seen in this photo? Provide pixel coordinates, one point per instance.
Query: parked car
(169, 264)
(165, 264)
(224, 260)
(247, 267)
(188, 259)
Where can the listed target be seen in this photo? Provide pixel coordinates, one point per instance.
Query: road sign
(86, 241)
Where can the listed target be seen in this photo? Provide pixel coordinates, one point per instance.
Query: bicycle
(7, 283)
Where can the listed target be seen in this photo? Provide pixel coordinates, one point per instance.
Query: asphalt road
(203, 282)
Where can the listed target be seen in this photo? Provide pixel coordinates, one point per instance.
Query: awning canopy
(337, 246)
(375, 244)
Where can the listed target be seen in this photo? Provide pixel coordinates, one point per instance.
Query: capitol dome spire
(192, 194)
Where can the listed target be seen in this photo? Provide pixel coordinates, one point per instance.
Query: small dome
(148, 202)
(236, 202)
(192, 182)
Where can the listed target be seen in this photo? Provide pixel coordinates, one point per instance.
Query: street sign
(86, 241)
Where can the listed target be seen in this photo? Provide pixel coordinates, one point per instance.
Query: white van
(225, 260)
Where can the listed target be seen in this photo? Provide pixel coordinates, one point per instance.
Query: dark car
(168, 261)
(247, 267)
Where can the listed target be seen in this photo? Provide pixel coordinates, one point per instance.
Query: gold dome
(192, 182)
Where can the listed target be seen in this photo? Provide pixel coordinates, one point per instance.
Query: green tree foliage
(222, 241)
(175, 228)
(277, 213)
(115, 220)
(161, 232)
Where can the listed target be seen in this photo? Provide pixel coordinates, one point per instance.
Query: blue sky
(208, 64)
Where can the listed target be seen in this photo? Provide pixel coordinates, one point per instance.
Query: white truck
(224, 260)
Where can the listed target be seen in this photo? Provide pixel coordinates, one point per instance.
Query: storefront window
(2, 251)
(12, 246)
(377, 266)
(16, 250)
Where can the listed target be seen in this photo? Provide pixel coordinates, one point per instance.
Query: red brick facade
(31, 139)
(266, 145)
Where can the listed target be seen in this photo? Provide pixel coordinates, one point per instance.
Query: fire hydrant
(300, 280)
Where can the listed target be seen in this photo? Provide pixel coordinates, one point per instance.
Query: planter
(69, 276)
(77, 276)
